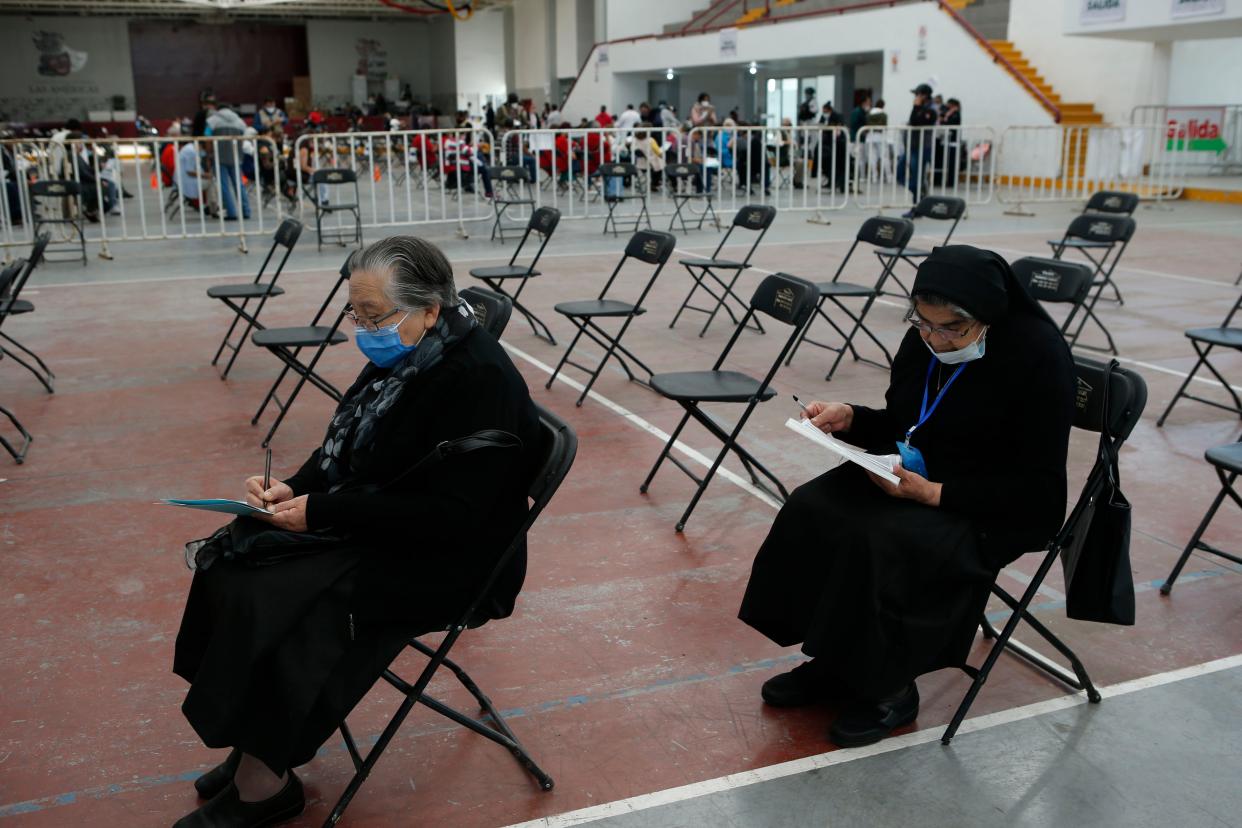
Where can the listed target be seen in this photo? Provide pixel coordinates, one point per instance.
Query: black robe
(277, 656)
(882, 589)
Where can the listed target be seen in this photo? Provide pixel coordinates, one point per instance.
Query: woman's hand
(277, 492)
(912, 487)
(829, 417)
(289, 515)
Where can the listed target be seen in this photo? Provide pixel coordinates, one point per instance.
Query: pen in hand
(805, 410)
(267, 477)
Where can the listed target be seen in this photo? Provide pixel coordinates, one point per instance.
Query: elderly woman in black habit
(277, 655)
(879, 582)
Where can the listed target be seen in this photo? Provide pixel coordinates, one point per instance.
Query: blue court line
(147, 782)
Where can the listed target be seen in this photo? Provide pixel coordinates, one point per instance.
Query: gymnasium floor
(624, 669)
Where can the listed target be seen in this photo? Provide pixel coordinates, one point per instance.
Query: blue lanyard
(925, 412)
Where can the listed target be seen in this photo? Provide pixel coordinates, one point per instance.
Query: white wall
(635, 18)
(480, 45)
(1153, 20)
(332, 48)
(566, 38)
(530, 43)
(1206, 72)
(102, 42)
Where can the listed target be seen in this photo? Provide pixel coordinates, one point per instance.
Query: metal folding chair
(725, 272)
(287, 344)
(559, 449)
(58, 204)
(1227, 462)
(650, 246)
(286, 236)
(333, 179)
(1108, 235)
(939, 208)
(1203, 340)
(1055, 281)
(1106, 201)
(492, 309)
(615, 196)
(542, 223)
(1106, 394)
(679, 177)
(786, 299)
(515, 184)
(891, 234)
(11, 304)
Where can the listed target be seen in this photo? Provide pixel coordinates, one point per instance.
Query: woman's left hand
(289, 515)
(912, 487)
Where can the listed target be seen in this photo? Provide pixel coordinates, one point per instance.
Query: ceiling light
(754, 68)
(669, 74)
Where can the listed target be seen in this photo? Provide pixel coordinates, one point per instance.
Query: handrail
(997, 57)
(713, 11)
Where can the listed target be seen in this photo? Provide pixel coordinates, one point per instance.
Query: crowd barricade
(404, 177)
(141, 189)
(1069, 163)
(1210, 136)
(892, 167)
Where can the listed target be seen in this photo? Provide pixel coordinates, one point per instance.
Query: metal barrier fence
(1069, 163)
(897, 165)
(1211, 136)
(136, 189)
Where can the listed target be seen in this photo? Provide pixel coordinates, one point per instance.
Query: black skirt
(880, 590)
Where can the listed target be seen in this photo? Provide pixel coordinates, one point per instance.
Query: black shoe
(871, 722)
(908, 214)
(219, 777)
(227, 810)
(808, 683)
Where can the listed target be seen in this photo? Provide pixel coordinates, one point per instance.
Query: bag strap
(486, 438)
(1108, 446)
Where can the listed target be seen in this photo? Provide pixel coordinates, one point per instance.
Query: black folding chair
(1204, 340)
(8, 281)
(286, 236)
(11, 304)
(755, 217)
(18, 453)
(287, 344)
(1227, 461)
(335, 179)
(650, 246)
(1120, 404)
(58, 204)
(681, 181)
(614, 198)
(511, 187)
(1106, 201)
(559, 449)
(1108, 235)
(940, 208)
(891, 234)
(1054, 281)
(542, 223)
(788, 300)
(492, 309)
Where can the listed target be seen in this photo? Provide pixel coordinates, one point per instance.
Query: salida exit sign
(1196, 129)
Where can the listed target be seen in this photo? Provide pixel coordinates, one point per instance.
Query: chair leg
(44, 380)
(565, 356)
(727, 291)
(664, 452)
(1195, 539)
(1203, 355)
(18, 454)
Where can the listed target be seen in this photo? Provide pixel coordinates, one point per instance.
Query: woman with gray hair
(278, 655)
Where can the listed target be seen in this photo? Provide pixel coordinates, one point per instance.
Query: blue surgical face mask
(384, 346)
(969, 353)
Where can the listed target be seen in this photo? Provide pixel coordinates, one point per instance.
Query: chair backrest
(884, 231)
(288, 232)
(650, 246)
(1126, 398)
(492, 309)
(757, 217)
(1101, 227)
(55, 189)
(509, 174)
(679, 171)
(612, 170)
(1107, 201)
(1053, 280)
(786, 299)
(944, 208)
(543, 222)
(8, 280)
(334, 176)
(286, 236)
(21, 270)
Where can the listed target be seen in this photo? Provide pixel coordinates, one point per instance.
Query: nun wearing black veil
(881, 583)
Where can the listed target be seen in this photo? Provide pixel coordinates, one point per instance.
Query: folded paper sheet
(882, 466)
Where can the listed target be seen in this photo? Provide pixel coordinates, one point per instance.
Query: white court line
(695, 455)
(840, 757)
(1024, 579)
(1124, 269)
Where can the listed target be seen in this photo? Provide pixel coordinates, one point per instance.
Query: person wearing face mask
(881, 583)
(277, 655)
(270, 116)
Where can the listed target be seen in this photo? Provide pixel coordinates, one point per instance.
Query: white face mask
(970, 353)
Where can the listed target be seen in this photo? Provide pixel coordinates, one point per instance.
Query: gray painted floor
(1168, 755)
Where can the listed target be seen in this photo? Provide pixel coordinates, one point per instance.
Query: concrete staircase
(1072, 114)
(989, 18)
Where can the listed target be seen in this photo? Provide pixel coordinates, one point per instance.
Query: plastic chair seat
(1227, 457)
(1228, 337)
(844, 289)
(502, 272)
(246, 291)
(619, 198)
(513, 201)
(332, 208)
(723, 264)
(689, 196)
(907, 253)
(598, 307)
(709, 386)
(1079, 243)
(15, 306)
(300, 337)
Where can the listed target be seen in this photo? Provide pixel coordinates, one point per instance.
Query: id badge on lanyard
(911, 458)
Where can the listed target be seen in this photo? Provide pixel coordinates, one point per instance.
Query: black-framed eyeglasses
(941, 331)
(371, 325)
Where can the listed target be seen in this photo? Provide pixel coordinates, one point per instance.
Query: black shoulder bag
(1096, 559)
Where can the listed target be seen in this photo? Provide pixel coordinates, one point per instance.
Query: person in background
(554, 117)
(666, 116)
(879, 155)
(703, 113)
(919, 147)
(227, 124)
(809, 107)
(645, 114)
(270, 116)
(489, 118)
(831, 154)
(937, 105)
(629, 118)
(192, 174)
(509, 116)
(648, 148)
(60, 162)
(603, 119)
(948, 147)
(857, 120)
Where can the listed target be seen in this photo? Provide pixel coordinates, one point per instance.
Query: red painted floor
(624, 667)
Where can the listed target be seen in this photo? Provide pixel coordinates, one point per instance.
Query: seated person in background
(882, 583)
(277, 655)
(194, 172)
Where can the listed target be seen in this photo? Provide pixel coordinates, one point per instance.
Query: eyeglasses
(941, 331)
(371, 325)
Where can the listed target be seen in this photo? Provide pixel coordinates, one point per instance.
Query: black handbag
(256, 543)
(1096, 560)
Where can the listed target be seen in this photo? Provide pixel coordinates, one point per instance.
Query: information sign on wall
(1101, 11)
(1196, 129)
(1195, 8)
(728, 43)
